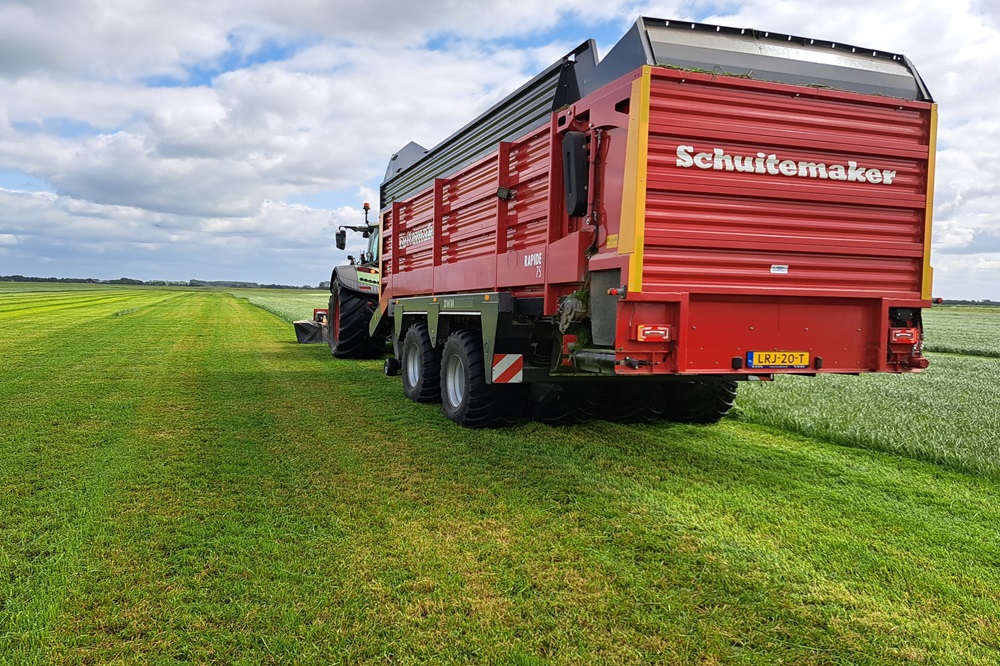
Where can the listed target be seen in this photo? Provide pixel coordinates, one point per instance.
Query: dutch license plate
(777, 359)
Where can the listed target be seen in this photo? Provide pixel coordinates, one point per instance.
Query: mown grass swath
(185, 483)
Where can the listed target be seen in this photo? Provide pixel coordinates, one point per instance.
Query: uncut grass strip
(963, 329)
(964, 351)
(290, 306)
(942, 415)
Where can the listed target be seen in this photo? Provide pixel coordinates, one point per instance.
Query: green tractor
(354, 292)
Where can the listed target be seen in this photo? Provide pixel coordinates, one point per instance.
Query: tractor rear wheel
(421, 366)
(466, 398)
(699, 401)
(348, 319)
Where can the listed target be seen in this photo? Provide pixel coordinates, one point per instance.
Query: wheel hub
(455, 381)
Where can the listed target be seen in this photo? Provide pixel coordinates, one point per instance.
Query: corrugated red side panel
(459, 236)
(777, 218)
(468, 228)
(711, 228)
(528, 213)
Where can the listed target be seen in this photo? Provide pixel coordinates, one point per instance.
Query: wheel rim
(455, 381)
(411, 361)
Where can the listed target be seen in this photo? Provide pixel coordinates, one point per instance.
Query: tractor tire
(466, 398)
(348, 319)
(421, 366)
(700, 401)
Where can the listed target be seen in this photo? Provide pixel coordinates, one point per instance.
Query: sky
(227, 140)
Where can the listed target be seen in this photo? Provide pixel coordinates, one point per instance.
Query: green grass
(182, 482)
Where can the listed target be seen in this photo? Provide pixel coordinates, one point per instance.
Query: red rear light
(656, 333)
(904, 336)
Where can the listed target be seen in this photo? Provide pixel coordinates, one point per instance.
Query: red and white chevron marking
(508, 368)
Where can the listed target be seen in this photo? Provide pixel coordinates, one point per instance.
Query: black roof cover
(767, 56)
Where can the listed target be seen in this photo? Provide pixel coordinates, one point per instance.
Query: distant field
(19, 287)
(183, 483)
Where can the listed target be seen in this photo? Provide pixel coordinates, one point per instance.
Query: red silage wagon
(628, 239)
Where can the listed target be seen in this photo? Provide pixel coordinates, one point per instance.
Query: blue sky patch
(12, 179)
(233, 59)
(327, 200)
(569, 30)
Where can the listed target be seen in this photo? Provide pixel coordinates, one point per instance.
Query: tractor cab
(369, 231)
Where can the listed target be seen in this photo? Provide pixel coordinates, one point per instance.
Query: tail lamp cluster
(905, 347)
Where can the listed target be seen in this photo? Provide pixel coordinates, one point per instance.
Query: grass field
(183, 483)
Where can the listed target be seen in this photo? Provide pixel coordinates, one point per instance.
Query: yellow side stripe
(926, 291)
(633, 220)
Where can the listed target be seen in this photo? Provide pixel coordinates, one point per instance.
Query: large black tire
(561, 404)
(466, 398)
(628, 402)
(699, 401)
(348, 319)
(421, 366)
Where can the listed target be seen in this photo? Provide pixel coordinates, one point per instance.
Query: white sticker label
(778, 269)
